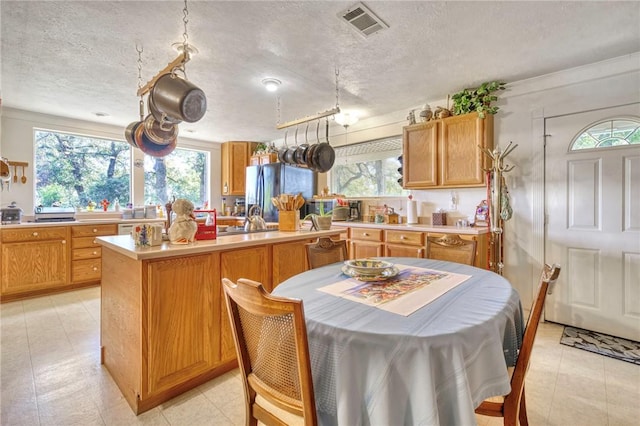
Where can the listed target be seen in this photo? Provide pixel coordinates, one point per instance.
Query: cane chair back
(271, 343)
(512, 407)
(326, 251)
(451, 248)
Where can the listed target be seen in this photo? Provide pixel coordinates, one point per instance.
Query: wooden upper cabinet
(234, 160)
(446, 153)
(420, 154)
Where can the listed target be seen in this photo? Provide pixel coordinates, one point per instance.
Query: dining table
(420, 359)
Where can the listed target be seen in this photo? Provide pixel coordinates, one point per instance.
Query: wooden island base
(164, 324)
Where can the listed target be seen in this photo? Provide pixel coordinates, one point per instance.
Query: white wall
(523, 108)
(17, 144)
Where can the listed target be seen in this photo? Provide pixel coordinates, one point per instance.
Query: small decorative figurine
(412, 117)
(104, 203)
(183, 228)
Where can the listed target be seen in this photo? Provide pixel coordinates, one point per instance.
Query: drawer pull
(402, 237)
(95, 268)
(95, 241)
(35, 234)
(95, 230)
(64, 241)
(95, 252)
(366, 234)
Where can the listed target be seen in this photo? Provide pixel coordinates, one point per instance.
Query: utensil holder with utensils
(289, 220)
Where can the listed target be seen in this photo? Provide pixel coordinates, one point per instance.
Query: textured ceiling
(76, 58)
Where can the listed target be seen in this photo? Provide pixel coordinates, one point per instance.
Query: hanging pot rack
(178, 62)
(308, 119)
(330, 112)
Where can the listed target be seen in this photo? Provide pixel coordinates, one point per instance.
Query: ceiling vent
(362, 20)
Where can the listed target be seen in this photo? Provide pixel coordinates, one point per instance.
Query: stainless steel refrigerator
(270, 180)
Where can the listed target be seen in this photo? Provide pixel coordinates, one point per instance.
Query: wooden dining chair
(512, 406)
(271, 343)
(326, 251)
(451, 248)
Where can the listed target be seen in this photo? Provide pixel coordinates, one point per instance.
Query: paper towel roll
(412, 211)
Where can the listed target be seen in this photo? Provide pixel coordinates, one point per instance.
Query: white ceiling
(76, 58)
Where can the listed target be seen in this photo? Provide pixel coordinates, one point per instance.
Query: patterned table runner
(424, 286)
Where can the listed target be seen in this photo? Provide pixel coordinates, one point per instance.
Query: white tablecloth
(372, 367)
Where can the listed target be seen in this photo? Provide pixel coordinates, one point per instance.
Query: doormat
(603, 344)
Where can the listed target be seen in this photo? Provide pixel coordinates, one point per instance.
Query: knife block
(289, 220)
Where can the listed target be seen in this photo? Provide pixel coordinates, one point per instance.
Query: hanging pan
(312, 149)
(130, 131)
(324, 156)
(291, 151)
(149, 147)
(159, 132)
(301, 151)
(283, 149)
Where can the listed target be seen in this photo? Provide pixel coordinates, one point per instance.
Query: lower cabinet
(377, 242)
(34, 260)
(289, 259)
(164, 325)
(180, 322)
(251, 263)
(365, 242)
(86, 253)
(404, 244)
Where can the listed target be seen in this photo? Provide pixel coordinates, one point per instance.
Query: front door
(592, 201)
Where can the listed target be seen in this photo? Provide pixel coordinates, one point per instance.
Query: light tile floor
(50, 374)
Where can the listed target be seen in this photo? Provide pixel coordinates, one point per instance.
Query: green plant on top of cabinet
(234, 160)
(446, 153)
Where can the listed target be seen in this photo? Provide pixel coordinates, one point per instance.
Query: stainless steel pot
(178, 98)
(162, 133)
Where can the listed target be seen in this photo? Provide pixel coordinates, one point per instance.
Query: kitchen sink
(235, 230)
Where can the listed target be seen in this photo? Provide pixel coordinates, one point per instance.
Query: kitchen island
(164, 324)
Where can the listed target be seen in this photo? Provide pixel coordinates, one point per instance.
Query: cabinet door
(180, 298)
(392, 250)
(461, 160)
(34, 265)
(289, 259)
(252, 263)
(419, 155)
(234, 160)
(360, 249)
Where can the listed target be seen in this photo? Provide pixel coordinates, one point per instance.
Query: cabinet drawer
(84, 242)
(34, 234)
(405, 238)
(86, 253)
(366, 234)
(95, 230)
(86, 270)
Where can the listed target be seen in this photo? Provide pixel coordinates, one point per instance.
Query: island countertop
(125, 245)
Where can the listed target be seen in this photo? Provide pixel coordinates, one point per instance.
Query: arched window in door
(608, 133)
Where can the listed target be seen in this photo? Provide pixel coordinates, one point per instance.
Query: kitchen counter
(96, 221)
(125, 245)
(164, 322)
(467, 230)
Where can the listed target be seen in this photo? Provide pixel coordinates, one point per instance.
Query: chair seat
(283, 415)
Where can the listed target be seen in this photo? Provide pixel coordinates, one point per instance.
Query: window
(181, 174)
(604, 134)
(72, 170)
(368, 169)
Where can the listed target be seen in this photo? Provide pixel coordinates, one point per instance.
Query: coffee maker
(355, 209)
